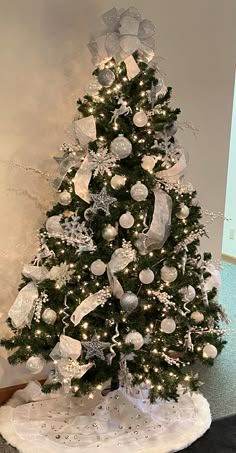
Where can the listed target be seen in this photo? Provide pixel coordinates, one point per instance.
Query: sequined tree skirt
(115, 423)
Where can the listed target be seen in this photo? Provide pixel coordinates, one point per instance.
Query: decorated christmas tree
(119, 294)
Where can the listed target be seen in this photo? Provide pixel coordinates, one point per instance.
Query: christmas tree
(119, 291)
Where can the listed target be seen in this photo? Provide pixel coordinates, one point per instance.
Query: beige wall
(45, 66)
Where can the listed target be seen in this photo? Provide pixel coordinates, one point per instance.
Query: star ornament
(94, 348)
(102, 201)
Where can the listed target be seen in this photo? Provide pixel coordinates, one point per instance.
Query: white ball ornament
(129, 301)
(106, 77)
(169, 274)
(148, 162)
(126, 220)
(53, 226)
(183, 212)
(35, 364)
(49, 316)
(168, 325)
(139, 191)
(146, 276)
(188, 293)
(209, 351)
(136, 339)
(118, 181)
(197, 316)
(65, 198)
(109, 233)
(140, 119)
(98, 267)
(121, 147)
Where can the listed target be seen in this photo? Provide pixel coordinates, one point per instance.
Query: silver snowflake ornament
(102, 201)
(78, 235)
(95, 347)
(61, 274)
(102, 161)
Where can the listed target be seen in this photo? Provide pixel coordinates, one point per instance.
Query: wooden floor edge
(7, 392)
(229, 258)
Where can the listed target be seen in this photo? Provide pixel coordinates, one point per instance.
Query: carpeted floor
(219, 382)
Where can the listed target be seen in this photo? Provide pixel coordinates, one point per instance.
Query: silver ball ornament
(98, 267)
(140, 119)
(139, 191)
(136, 339)
(168, 274)
(118, 181)
(183, 213)
(209, 351)
(49, 316)
(188, 293)
(121, 147)
(65, 198)
(148, 163)
(106, 77)
(109, 233)
(146, 276)
(129, 301)
(126, 220)
(168, 325)
(35, 364)
(197, 316)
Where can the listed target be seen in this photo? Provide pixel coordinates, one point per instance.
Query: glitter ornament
(209, 351)
(197, 316)
(168, 325)
(121, 147)
(183, 212)
(188, 293)
(146, 276)
(49, 316)
(148, 163)
(98, 267)
(139, 191)
(140, 119)
(109, 233)
(106, 77)
(35, 364)
(118, 181)
(102, 201)
(129, 301)
(65, 198)
(169, 274)
(136, 339)
(126, 220)
(94, 348)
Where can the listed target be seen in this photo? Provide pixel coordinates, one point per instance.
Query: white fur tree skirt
(112, 424)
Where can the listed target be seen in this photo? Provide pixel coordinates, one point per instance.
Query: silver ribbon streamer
(22, 311)
(203, 290)
(125, 32)
(66, 315)
(159, 229)
(113, 354)
(188, 341)
(120, 259)
(89, 304)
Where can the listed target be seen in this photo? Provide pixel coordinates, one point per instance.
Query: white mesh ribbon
(124, 33)
(159, 229)
(120, 259)
(89, 304)
(22, 310)
(36, 273)
(176, 172)
(85, 130)
(70, 347)
(66, 163)
(82, 180)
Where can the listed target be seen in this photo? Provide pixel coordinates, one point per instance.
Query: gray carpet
(219, 381)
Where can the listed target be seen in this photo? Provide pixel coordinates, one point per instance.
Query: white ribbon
(36, 273)
(22, 310)
(132, 68)
(89, 304)
(82, 179)
(176, 172)
(120, 259)
(70, 347)
(159, 229)
(125, 32)
(85, 130)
